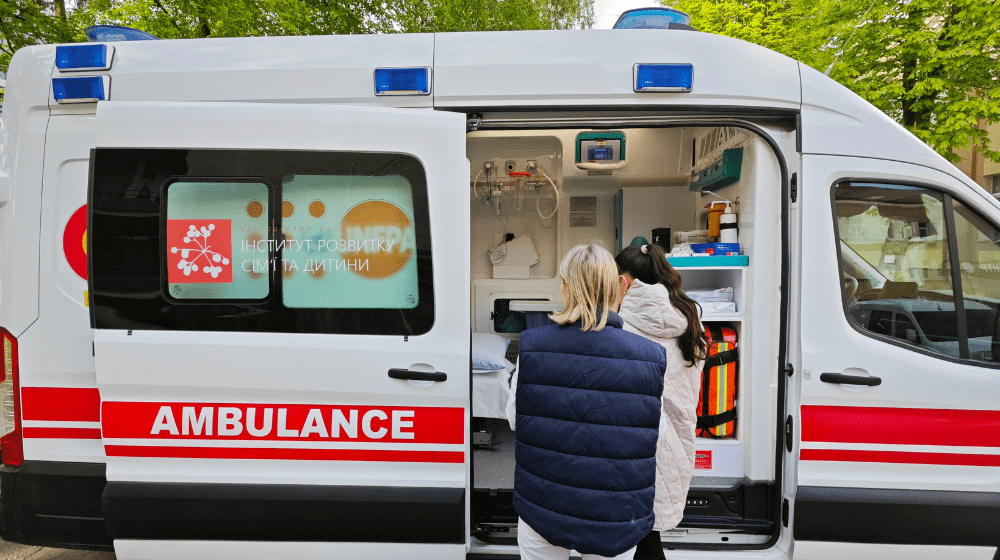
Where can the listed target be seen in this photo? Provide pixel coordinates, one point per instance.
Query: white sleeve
(511, 407)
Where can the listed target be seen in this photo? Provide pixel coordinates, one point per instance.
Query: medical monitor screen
(598, 153)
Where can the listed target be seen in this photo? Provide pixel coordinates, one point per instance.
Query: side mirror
(911, 335)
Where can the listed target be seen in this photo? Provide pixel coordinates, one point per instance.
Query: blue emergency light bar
(652, 18)
(85, 89)
(403, 81)
(111, 33)
(83, 57)
(663, 77)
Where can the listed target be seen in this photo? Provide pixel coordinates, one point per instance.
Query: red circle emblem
(75, 242)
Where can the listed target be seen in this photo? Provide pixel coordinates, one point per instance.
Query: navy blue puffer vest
(588, 413)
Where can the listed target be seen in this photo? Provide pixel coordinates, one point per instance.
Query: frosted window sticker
(348, 242)
(216, 240)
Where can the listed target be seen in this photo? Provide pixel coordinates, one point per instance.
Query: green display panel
(348, 242)
(212, 229)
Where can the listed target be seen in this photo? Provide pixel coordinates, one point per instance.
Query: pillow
(489, 351)
(509, 367)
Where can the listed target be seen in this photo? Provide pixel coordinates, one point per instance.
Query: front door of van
(282, 343)
(900, 375)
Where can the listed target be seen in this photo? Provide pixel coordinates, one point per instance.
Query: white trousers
(534, 547)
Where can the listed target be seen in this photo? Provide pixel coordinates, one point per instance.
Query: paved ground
(11, 551)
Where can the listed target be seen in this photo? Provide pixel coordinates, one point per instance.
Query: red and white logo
(199, 251)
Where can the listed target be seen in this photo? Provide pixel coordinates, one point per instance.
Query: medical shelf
(710, 262)
(725, 457)
(722, 318)
(714, 278)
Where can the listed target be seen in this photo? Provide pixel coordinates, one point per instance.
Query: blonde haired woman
(585, 403)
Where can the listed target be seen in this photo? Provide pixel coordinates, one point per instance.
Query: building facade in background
(980, 169)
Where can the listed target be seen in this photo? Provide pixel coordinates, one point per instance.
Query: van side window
(979, 258)
(894, 258)
(260, 241)
(919, 268)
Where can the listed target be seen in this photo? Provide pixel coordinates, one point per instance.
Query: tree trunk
(916, 109)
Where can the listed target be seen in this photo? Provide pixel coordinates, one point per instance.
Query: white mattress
(490, 393)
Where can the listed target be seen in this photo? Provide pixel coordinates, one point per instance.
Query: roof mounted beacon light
(114, 33)
(654, 18)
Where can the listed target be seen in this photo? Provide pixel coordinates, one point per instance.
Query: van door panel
(285, 433)
(60, 405)
(873, 457)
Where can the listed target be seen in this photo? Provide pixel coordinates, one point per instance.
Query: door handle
(870, 381)
(399, 373)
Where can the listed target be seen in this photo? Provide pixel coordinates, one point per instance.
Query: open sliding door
(282, 345)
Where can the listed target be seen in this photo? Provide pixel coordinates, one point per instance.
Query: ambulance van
(259, 295)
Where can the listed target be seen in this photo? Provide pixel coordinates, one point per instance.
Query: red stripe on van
(170, 420)
(856, 456)
(286, 454)
(901, 426)
(62, 433)
(60, 404)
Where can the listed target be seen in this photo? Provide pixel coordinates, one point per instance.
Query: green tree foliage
(35, 21)
(182, 19)
(495, 15)
(930, 64)
(29, 22)
(775, 24)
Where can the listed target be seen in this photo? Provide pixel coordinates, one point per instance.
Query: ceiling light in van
(83, 57)
(663, 77)
(85, 89)
(402, 81)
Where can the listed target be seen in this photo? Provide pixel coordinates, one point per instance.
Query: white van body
(137, 405)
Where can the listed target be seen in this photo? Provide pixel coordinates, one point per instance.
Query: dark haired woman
(654, 306)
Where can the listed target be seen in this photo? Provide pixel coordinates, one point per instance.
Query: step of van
(744, 507)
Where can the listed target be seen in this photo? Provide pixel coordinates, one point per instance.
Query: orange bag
(717, 401)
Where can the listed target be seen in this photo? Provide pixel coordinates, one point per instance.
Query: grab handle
(871, 381)
(399, 373)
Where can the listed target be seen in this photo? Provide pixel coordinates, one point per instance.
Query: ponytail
(649, 265)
